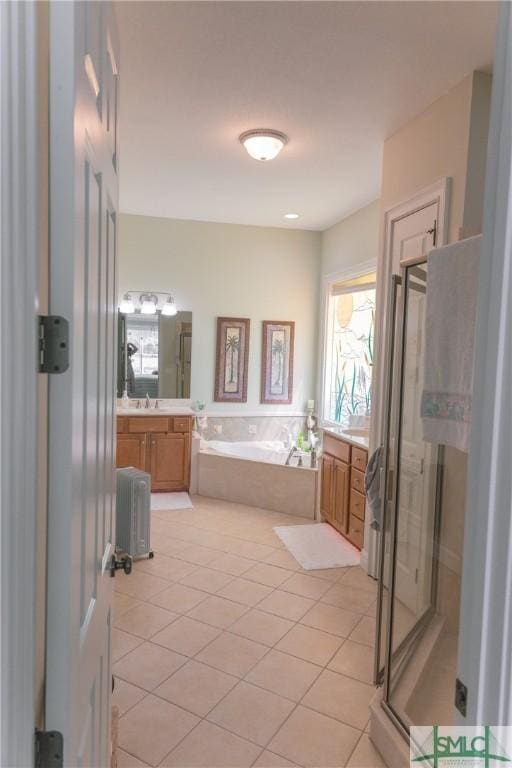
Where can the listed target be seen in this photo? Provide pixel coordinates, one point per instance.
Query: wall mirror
(154, 355)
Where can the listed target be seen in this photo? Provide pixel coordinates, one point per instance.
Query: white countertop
(172, 411)
(361, 441)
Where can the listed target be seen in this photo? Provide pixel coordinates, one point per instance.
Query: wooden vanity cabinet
(131, 451)
(169, 461)
(159, 445)
(342, 487)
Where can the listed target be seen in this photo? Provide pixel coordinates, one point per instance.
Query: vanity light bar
(148, 303)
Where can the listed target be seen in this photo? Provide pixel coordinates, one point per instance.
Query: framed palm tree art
(232, 360)
(277, 361)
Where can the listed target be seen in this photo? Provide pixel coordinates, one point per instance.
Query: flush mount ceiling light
(169, 308)
(127, 307)
(148, 303)
(263, 144)
(291, 215)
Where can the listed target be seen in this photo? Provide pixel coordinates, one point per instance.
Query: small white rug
(168, 502)
(318, 546)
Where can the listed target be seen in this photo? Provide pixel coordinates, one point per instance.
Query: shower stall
(421, 530)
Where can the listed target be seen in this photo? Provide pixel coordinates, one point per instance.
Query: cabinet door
(170, 462)
(326, 488)
(341, 479)
(131, 451)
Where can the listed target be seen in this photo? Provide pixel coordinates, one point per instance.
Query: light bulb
(127, 306)
(169, 308)
(148, 302)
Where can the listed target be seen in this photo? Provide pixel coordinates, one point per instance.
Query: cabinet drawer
(148, 424)
(357, 504)
(357, 480)
(356, 531)
(359, 458)
(121, 424)
(181, 423)
(337, 448)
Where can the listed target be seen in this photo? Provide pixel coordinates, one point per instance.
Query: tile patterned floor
(227, 654)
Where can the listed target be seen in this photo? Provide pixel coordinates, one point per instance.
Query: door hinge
(49, 749)
(53, 344)
(461, 697)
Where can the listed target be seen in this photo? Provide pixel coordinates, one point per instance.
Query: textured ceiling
(337, 77)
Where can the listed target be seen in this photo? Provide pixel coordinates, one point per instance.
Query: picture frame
(277, 362)
(232, 360)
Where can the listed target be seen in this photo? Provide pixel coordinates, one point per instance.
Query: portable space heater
(133, 505)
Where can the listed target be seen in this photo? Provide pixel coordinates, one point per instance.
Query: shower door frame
(395, 388)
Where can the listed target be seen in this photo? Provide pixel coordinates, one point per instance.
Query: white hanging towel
(452, 285)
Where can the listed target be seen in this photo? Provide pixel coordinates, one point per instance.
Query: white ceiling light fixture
(127, 307)
(263, 143)
(291, 215)
(148, 303)
(169, 308)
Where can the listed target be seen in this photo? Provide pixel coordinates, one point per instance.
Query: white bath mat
(318, 546)
(168, 502)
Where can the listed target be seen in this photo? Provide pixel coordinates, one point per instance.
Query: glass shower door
(409, 541)
(392, 356)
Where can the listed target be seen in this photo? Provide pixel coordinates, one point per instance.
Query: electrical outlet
(217, 429)
(253, 429)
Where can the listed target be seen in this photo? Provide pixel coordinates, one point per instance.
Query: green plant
(278, 351)
(339, 387)
(232, 346)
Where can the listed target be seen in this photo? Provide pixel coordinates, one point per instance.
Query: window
(349, 349)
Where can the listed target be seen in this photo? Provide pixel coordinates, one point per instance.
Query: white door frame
(18, 380)
(438, 192)
(485, 638)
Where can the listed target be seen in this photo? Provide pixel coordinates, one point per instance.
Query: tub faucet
(289, 437)
(293, 449)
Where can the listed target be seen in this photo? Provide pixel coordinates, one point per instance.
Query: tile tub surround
(241, 428)
(289, 490)
(214, 669)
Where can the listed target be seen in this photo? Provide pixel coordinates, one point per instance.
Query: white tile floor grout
(274, 695)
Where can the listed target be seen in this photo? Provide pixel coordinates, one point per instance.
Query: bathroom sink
(357, 432)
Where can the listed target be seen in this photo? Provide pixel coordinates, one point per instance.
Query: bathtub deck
(288, 490)
(227, 653)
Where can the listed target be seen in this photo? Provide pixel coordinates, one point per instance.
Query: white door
(83, 203)
(413, 238)
(414, 235)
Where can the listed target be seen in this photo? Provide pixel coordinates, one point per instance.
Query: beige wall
(345, 246)
(229, 270)
(352, 241)
(446, 139)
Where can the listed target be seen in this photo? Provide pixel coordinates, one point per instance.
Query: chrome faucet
(293, 450)
(148, 401)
